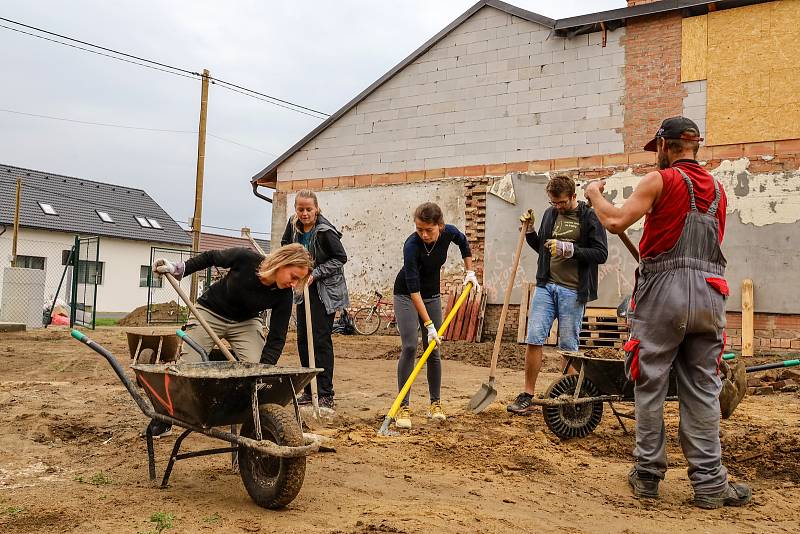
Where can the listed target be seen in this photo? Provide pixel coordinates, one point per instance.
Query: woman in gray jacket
(327, 288)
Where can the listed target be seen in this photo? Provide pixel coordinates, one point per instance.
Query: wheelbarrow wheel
(572, 420)
(270, 481)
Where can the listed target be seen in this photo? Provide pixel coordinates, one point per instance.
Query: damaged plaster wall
(761, 238)
(502, 223)
(375, 222)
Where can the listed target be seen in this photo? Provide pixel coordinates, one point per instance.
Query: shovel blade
(483, 398)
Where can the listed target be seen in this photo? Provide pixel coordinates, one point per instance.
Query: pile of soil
(512, 355)
(166, 312)
(605, 353)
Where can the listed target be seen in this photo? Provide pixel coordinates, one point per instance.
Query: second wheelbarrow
(201, 397)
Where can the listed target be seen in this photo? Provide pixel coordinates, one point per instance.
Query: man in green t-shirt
(571, 243)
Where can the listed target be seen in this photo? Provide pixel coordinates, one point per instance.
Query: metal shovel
(487, 393)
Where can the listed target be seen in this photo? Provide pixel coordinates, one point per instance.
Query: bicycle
(367, 320)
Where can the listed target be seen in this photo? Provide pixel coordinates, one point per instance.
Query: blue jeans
(555, 302)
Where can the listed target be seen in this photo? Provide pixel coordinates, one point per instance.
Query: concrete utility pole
(16, 224)
(198, 188)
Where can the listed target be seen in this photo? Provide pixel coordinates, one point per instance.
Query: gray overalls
(679, 321)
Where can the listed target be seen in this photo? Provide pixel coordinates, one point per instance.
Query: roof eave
(268, 175)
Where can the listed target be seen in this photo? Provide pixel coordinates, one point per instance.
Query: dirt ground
(72, 459)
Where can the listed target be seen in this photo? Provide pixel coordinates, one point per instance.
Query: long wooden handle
(629, 245)
(181, 293)
(310, 342)
(506, 299)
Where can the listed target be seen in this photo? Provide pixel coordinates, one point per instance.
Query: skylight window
(142, 222)
(104, 216)
(48, 208)
(154, 223)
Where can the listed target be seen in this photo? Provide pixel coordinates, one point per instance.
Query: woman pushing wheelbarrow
(231, 306)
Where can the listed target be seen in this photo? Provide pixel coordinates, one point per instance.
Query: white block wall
(694, 104)
(496, 89)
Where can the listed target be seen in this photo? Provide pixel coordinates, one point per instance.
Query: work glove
(433, 335)
(560, 248)
(529, 218)
(162, 266)
(471, 278)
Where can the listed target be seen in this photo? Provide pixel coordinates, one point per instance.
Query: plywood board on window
(694, 48)
(752, 66)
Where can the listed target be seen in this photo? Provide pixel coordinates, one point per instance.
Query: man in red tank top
(678, 313)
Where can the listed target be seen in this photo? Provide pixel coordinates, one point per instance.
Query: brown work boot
(644, 485)
(733, 495)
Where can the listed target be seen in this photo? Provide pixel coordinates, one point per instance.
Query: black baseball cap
(674, 128)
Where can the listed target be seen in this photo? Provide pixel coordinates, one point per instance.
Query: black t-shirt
(422, 263)
(240, 295)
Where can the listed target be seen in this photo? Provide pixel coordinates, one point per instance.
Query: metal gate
(87, 274)
(163, 303)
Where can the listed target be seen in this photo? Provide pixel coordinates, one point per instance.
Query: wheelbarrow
(572, 406)
(200, 397)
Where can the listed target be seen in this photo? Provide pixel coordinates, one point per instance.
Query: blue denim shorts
(548, 304)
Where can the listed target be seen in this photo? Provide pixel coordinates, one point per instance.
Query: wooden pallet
(467, 325)
(600, 326)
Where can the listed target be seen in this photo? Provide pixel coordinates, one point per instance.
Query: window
(90, 272)
(144, 272)
(48, 208)
(154, 223)
(142, 222)
(104, 216)
(30, 262)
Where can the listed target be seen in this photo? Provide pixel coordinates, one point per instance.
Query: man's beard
(663, 160)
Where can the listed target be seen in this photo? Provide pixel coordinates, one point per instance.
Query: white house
(55, 209)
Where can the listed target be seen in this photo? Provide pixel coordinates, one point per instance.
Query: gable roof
(76, 202)
(210, 241)
(567, 27)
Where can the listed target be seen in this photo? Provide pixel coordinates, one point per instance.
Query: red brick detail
(363, 180)
(791, 146)
(727, 151)
(615, 159)
(565, 163)
(415, 176)
(283, 186)
(315, 184)
(475, 170)
(496, 170)
(432, 174)
(298, 185)
(518, 166)
(380, 179)
(347, 181)
(330, 183)
(454, 172)
(759, 149)
(540, 166)
(653, 89)
(590, 161)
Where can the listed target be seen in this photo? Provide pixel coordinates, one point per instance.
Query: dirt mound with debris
(166, 312)
(605, 353)
(512, 355)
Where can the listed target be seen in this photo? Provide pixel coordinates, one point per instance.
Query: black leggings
(321, 328)
(409, 322)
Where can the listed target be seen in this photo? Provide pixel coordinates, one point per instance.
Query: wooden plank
(458, 322)
(552, 337)
(524, 306)
(461, 335)
(481, 315)
(747, 317)
(473, 317)
(600, 312)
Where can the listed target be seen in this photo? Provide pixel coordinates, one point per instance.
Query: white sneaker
(403, 418)
(436, 412)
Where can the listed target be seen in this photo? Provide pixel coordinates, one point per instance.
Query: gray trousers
(678, 322)
(409, 322)
(246, 338)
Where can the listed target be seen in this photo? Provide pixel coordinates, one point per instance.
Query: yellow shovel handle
(432, 345)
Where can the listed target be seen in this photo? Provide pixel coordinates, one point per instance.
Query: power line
(127, 127)
(163, 67)
(265, 100)
(94, 51)
(229, 229)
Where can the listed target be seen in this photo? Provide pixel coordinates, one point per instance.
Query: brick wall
(772, 333)
(653, 89)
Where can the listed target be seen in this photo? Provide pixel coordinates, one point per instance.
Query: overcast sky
(316, 53)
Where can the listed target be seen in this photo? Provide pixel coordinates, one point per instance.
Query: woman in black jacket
(327, 288)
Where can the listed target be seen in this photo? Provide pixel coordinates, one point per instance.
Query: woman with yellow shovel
(417, 300)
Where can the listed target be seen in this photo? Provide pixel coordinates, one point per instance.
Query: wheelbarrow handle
(775, 365)
(145, 406)
(192, 343)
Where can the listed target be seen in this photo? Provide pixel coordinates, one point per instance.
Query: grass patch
(161, 522)
(213, 518)
(106, 321)
(98, 479)
(12, 510)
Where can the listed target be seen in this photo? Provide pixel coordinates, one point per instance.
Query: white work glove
(471, 278)
(560, 248)
(433, 335)
(162, 266)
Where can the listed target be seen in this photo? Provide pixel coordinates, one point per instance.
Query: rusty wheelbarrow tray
(200, 397)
